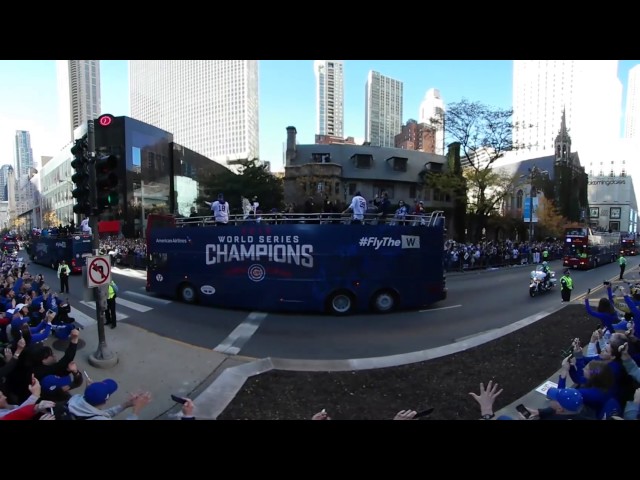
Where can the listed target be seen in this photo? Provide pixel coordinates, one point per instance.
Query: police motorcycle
(536, 281)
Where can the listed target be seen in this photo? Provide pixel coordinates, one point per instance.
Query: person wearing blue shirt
(605, 312)
(599, 386)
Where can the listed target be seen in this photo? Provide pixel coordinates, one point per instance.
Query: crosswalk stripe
(92, 305)
(147, 298)
(128, 272)
(132, 305)
(81, 318)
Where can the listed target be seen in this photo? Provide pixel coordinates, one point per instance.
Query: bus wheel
(384, 301)
(187, 293)
(340, 303)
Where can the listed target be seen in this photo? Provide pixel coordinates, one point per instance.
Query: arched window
(519, 199)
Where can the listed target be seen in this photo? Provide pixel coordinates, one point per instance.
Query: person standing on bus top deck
(246, 207)
(254, 205)
(84, 226)
(623, 264)
(566, 284)
(384, 207)
(220, 210)
(359, 207)
(63, 274)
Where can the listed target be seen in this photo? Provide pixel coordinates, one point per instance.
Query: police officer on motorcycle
(547, 275)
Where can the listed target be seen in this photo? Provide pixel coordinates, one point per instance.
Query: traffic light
(106, 182)
(82, 192)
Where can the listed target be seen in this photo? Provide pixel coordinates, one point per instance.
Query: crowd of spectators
(598, 382)
(488, 254)
(34, 383)
(125, 251)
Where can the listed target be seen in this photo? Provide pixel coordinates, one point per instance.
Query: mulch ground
(519, 362)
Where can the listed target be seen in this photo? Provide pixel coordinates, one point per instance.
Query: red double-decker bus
(585, 248)
(629, 246)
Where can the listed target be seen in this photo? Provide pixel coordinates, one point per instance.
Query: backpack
(115, 287)
(62, 412)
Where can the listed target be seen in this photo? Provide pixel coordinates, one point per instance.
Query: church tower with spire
(563, 143)
(571, 179)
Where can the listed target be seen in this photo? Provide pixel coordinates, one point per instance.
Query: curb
(219, 394)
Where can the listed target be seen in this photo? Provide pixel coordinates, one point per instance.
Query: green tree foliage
(451, 181)
(253, 179)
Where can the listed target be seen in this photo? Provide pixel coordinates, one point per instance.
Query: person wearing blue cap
(56, 387)
(565, 404)
(97, 394)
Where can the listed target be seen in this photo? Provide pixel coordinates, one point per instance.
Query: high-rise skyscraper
(4, 178)
(590, 94)
(210, 106)
(23, 154)
(383, 109)
(329, 97)
(432, 107)
(632, 109)
(78, 93)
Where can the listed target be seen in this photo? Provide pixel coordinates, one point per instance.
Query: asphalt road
(477, 302)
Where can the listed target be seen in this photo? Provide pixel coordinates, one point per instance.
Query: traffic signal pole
(103, 356)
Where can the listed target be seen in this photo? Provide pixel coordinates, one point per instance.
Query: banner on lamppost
(527, 207)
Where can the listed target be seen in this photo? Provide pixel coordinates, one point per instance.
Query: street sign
(98, 271)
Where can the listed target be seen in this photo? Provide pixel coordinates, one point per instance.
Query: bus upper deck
(304, 262)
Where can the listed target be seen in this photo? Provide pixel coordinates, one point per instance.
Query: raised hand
(486, 397)
(405, 415)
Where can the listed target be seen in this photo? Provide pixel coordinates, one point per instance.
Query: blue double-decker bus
(50, 249)
(298, 264)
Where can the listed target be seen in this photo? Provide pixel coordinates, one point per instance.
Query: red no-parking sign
(98, 271)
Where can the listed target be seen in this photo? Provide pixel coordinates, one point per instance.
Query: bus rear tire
(187, 293)
(340, 303)
(384, 301)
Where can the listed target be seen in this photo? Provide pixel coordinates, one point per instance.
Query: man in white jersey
(84, 226)
(220, 210)
(358, 207)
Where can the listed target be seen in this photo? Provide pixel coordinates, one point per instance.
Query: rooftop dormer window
(399, 164)
(363, 161)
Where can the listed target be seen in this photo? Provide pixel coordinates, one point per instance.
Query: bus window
(158, 261)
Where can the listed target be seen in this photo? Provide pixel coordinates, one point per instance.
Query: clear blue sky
(28, 96)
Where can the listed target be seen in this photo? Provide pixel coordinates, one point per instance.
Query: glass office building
(156, 175)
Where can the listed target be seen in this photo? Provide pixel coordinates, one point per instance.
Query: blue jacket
(607, 319)
(593, 398)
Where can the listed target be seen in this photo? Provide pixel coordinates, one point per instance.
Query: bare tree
(485, 135)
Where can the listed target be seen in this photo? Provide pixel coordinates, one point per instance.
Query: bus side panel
(78, 248)
(296, 267)
(42, 252)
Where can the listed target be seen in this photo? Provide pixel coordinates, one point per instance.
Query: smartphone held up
(424, 412)
(522, 410)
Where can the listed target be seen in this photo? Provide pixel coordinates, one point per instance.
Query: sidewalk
(149, 362)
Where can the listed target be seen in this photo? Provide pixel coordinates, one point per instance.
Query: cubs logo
(256, 273)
